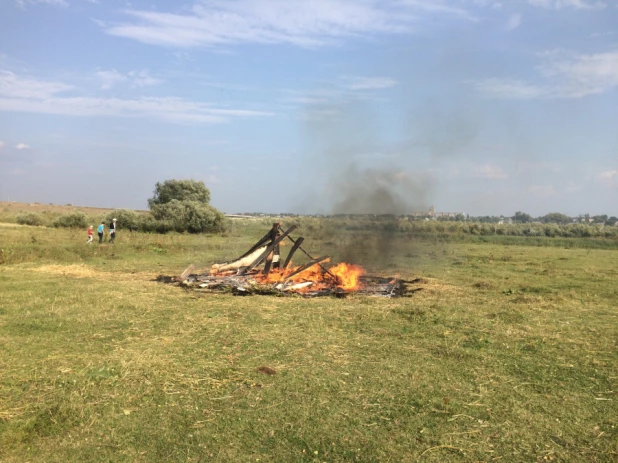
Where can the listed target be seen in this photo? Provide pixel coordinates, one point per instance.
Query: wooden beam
(295, 247)
(268, 250)
(302, 268)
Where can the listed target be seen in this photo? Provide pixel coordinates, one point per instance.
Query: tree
(183, 205)
(522, 217)
(180, 190)
(191, 216)
(556, 217)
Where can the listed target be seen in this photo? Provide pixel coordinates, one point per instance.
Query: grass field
(509, 353)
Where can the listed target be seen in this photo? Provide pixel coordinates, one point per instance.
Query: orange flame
(347, 277)
(344, 276)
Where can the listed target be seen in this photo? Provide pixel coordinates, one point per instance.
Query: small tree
(556, 217)
(72, 220)
(125, 219)
(522, 217)
(190, 216)
(180, 190)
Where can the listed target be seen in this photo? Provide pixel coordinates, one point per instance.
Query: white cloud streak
(369, 83)
(22, 146)
(489, 171)
(2, 144)
(565, 77)
(31, 95)
(561, 4)
(137, 78)
(23, 4)
(17, 87)
(216, 23)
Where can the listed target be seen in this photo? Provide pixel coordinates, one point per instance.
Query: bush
(72, 220)
(30, 219)
(126, 219)
(147, 223)
(190, 216)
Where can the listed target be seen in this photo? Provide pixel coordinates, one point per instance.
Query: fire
(349, 275)
(346, 277)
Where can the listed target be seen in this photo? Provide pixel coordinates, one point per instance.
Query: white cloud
(369, 83)
(608, 174)
(608, 178)
(571, 76)
(560, 4)
(514, 22)
(215, 23)
(110, 78)
(24, 3)
(22, 146)
(18, 87)
(542, 191)
(509, 88)
(137, 78)
(584, 75)
(2, 144)
(30, 95)
(489, 171)
(143, 78)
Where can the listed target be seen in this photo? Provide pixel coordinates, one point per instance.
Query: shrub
(147, 223)
(30, 219)
(72, 220)
(190, 216)
(126, 219)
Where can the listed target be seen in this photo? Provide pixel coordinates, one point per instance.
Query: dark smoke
(365, 172)
(362, 175)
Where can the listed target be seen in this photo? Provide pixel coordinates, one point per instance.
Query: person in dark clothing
(100, 230)
(112, 231)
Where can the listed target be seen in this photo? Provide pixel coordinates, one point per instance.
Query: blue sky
(474, 106)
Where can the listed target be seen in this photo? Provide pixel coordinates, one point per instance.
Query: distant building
(431, 212)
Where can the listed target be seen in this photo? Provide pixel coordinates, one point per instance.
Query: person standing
(112, 231)
(100, 230)
(89, 235)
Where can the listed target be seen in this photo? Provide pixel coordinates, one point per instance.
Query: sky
(476, 106)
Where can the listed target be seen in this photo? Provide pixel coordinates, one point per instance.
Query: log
(242, 262)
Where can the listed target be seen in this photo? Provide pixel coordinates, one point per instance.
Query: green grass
(508, 354)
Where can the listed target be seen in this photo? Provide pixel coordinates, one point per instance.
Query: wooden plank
(302, 268)
(186, 273)
(334, 277)
(295, 247)
(268, 263)
(279, 239)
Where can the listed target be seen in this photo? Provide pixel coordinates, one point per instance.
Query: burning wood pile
(261, 271)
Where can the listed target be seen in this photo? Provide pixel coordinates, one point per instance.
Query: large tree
(182, 205)
(180, 190)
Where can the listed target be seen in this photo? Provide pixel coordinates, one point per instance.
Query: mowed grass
(507, 354)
